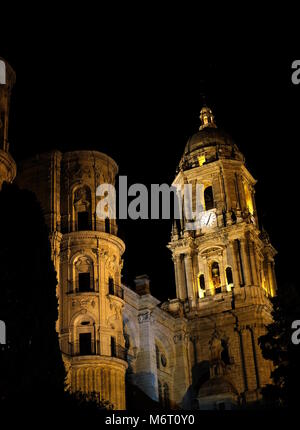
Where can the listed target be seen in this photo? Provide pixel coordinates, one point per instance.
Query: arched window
(209, 198)
(107, 225)
(83, 275)
(229, 277)
(166, 396)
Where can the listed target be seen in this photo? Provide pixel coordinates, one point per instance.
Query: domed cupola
(209, 144)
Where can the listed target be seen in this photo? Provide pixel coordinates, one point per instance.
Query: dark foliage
(32, 373)
(30, 362)
(277, 346)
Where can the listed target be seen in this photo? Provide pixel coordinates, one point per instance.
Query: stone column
(235, 268)
(189, 277)
(222, 275)
(146, 371)
(270, 278)
(181, 278)
(248, 357)
(208, 290)
(253, 263)
(245, 262)
(175, 261)
(274, 277)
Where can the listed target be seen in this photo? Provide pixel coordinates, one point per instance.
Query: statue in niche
(81, 194)
(216, 348)
(215, 273)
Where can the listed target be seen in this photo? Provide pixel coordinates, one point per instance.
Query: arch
(211, 249)
(79, 316)
(165, 347)
(83, 253)
(82, 334)
(209, 198)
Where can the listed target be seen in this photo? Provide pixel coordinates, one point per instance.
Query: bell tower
(7, 81)
(224, 263)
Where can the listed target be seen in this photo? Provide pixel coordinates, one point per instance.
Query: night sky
(138, 98)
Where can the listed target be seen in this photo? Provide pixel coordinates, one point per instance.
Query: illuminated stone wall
(197, 350)
(88, 259)
(7, 81)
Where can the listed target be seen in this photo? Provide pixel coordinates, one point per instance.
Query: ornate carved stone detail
(145, 317)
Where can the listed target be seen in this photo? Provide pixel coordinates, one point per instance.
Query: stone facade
(199, 350)
(224, 272)
(7, 164)
(88, 260)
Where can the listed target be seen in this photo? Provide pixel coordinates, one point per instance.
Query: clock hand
(208, 219)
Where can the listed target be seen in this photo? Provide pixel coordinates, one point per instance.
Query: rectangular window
(113, 346)
(83, 221)
(111, 286)
(84, 282)
(85, 343)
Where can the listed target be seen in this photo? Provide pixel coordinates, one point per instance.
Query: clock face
(208, 219)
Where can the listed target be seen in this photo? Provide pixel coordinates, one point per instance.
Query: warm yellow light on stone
(201, 292)
(201, 160)
(249, 201)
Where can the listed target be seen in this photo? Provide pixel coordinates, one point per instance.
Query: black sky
(138, 97)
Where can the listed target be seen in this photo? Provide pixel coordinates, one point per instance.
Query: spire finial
(206, 117)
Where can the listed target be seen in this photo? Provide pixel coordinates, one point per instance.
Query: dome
(214, 386)
(206, 137)
(209, 144)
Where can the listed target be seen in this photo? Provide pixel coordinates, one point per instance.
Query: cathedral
(198, 350)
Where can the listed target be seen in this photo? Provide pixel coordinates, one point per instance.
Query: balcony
(75, 349)
(116, 290)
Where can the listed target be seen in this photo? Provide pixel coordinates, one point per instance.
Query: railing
(119, 352)
(116, 290)
(75, 289)
(73, 350)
